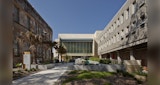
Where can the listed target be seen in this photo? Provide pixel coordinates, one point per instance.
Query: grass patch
(81, 75)
(70, 79)
(94, 74)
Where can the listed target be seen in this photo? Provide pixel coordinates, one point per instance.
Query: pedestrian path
(47, 77)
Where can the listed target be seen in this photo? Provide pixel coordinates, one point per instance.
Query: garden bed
(23, 73)
(42, 66)
(97, 78)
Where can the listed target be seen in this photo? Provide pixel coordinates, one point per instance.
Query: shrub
(105, 61)
(94, 59)
(141, 73)
(125, 74)
(26, 69)
(73, 72)
(19, 71)
(33, 69)
(19, 65)
(107, 83)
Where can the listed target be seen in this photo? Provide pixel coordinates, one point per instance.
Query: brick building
(27, 19)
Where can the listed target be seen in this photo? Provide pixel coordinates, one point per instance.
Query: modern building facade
(26, 18)
(125, 37)
(78, 45)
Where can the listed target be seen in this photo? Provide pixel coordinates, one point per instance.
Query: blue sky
(77, 16)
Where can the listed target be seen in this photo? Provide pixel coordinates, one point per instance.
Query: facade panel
(127, 29)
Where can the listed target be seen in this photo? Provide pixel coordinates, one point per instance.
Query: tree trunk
(33, 58)
(51, 55)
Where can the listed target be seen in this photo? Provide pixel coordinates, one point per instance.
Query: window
(122, 33)
(35, 26)
(118, 37)
(16, 48)
(142, 25)
(28, 23)
(127, 29)
(127, 13)
(16, 14)
(133, 7)
(118, 23)
(121, 18)
(115, 25)
(142, 3)
(143, 17)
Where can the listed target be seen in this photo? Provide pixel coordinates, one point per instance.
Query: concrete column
(131, 55)
(6, 49)
(93, 48)
(110, 54)
(119, 58)
(100, 56)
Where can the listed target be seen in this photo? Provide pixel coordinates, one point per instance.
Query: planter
(141, 78)
(45, 66)
(35, 66)
(100, 67)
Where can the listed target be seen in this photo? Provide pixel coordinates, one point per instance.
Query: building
(125, 37)
(26, 18)
(78, 45)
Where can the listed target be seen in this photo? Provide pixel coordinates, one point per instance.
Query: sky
(77, 16)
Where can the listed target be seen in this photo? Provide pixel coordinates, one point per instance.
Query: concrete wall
(127, 30)
(101, 67)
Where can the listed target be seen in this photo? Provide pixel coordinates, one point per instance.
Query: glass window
(28, 23)
(16, 14)
(36, 28)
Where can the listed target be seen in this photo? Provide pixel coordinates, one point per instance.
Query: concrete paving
(47, 77)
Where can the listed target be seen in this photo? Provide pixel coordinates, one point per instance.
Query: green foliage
(19, 71)
(94, 59)
(88, 75)
(26, 69)
(125, 74)
(141, 73)
(73, 72)
(107, 83)
(70, 79)
(105, 61)
(94, 74)
(33, 69)
(19, 65)
(61, 50)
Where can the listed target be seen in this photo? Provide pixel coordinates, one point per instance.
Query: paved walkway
(47, 77)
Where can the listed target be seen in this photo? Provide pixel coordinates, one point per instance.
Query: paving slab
(47, 77)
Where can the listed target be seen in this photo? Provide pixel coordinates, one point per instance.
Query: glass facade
(81, 46)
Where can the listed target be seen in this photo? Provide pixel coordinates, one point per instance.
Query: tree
(61, 50)
(51, 45)
(33, 41)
